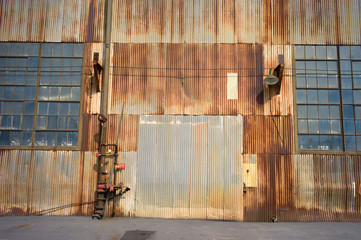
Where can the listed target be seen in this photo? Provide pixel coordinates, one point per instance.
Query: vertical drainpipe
(105, 83)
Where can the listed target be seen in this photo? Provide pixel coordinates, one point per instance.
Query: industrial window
(40, 88)
(328, 85)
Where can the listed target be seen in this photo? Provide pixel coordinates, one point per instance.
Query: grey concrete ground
(141, 229)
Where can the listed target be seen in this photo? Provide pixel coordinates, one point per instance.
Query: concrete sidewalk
(72, 227)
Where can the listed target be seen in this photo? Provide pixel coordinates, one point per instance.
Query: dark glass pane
(335, 112)
(67, 50)
(28, 122)
(336, 142)
(355, 52)
(311, 81)
(31, 78)
(15, 138)
(313, 126)
(33, 63)
(55, 78)
(23, 49)
(65, 78)
(78, 50)
(299, 52)
(27, 138)
(301, 81)
(62, 123)
(324, 112)
(324, 126)
(335, 126)
(63, 108)
(34, 49)
(44, 78)
(73, 123)
(6, 122)
(310, 52)
(2, 77)
(348, 112)
(4, 138)
(75, 93)
(302, 111)
(357, 96)
(331, 52)
(350, 143)
(358, 126)
(334, 96)
(300, 67)
(2, 63)
(10, 77)
(358, 139)
(13, 49)
(323, 96)
(72, 139)
(347, 97)
(345, 52)
(20, 78)
(76, 78)
(7, 108)
(358, 112)
(19, 93)
(332, 81)
(41, 122)
(1, 93)
(40, 139)
(30, 93)
(22, 63)
(29, 108)
(77, 64)
(18, 108)
(61, 139)
(302, 126)
(312, 96)
(303, 142)
(357, 81)
(17, 122)
(349, 126)
(312, 111)
(52, 122)
(4, 48)
(346, 81)
(345, 66)
(43, 93)
(321, 52)
(314, 141)
(50, 138)
(322, 81)
(57, 49)
(56, 64)
(325, 142)
(45, 64)
(53, 108)
(66, 64)
(74, 109)
(42, 108)
(9, 93)
(46, 49)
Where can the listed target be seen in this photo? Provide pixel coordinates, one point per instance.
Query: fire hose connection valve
(120, 166)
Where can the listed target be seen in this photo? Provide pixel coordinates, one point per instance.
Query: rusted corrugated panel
(181, 170)
(260, 134)
(326, 187)
(46, 182)
(90, 132)
(128, 137)
(281, 22)
(93, 29)
(278, 104)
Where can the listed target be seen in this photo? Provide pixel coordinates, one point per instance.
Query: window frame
(36, 101)
(343, 151)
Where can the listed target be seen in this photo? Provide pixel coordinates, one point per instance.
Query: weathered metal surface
(52, 20)
(261, 136)
(90, 133)
(189, 167)
(35, 181)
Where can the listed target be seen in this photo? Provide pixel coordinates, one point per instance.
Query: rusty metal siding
(90, 132)
(175, 182)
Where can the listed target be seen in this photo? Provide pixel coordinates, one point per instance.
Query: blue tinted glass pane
(6, 122)
(350, 143)
(53, 108)
(331, 52)
(334, 96)
(18, 108)
(15, 138)
(322, 81)
(26, 139)
(52, 122)
(335, 126)
(45, 64)
(4, 48)
(346, 81)
(1, 92)
(345, 66)
(76, 64)
(74, 109)
(345, 52)
(57, 49)
(46, 49)
(357, 81)
(73, 123)
(13, 49)
(348, 111)
(303, 142)
(358, 112)
(29, 108)
(310, 67)
(56, 64)
(301, 81)
(72, 139)
(64, 93)
(63, 108)
(4, 138)
(17, 122)
(31, 78)
(312, 96)
(347, 97)
(302, 126)
(323, 96)
(332, 81)
(67, 50)
(355, 52)
(357, 96)
(75, 93)
(325, 126)
(8, 93)
(28, 122)
(40, 139)
(336, 142)
(33, 63)
(50, 138)
(41, 122)
(76, 78)
(34, 49)
(302, 111)
(19, 93)
(313, 126)
(20, 78)
(324, 112)
(65, 78)
(325, 142)
(332, 67)
(10, 77)
(358, 139)
(349, 126)
(44, 78)
(310, 52)
(358, 126)
(335, 112)
(299, 52)
(42, 108)
(61, 139)
(66, 64)
(62, 123)
(78, 50)
(22, 63)
(53, 93)
(314, 141)
(7, 108)
(2, 63)
(43, 93)
(300, 67)
(55, 78)
(312, 111)
(311, 81)
(30, 93)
